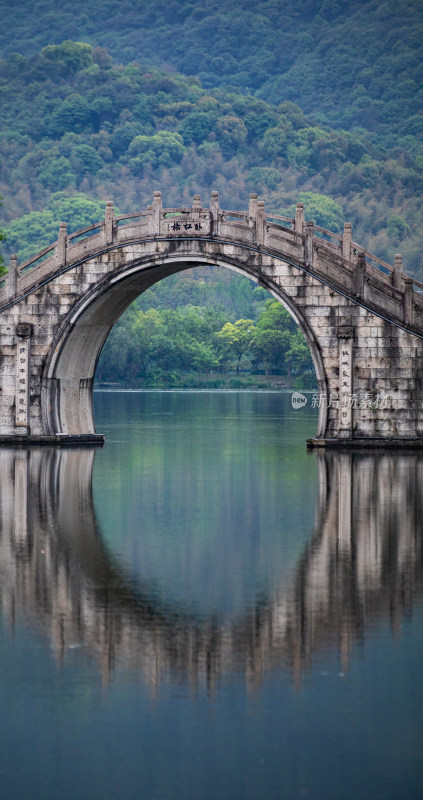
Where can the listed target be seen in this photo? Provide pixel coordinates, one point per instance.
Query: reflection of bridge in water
(364, 562)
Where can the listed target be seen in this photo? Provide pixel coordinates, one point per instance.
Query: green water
(197, 481)
(202, 609)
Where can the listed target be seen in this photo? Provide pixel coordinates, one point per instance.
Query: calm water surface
(202, 609)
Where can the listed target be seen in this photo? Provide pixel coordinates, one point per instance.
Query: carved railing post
(12, 277)
(346, 241)
(252, 209)
(408, 301)
(397, 272)
(196, 206)
(61, 244)
(359, 274)
(108, 222)
(308, 243)
(260, 222)
(157, 211)
(299, 218)
(214, 211)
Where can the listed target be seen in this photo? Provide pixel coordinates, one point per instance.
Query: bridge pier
(364, 327)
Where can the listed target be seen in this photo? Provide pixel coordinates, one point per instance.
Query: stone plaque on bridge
(23, 333)
(188, 225)
(345, 384)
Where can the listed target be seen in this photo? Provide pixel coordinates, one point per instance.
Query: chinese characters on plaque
(187, 225)
(22, 375)
(345, 384)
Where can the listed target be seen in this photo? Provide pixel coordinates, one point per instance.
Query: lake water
(202, 609)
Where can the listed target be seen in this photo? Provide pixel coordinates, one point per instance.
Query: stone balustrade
(335, 259)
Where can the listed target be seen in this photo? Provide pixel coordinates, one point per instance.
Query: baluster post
(260, 222)
(196, 206)
(61, 245)
(308, 244)
(408, 301)
(252, 209)
(156, 212)
(346, 241)
(359, 275)
(108, 222)
(12, 276)
(299, 218)
(397, 272)
(214, 211)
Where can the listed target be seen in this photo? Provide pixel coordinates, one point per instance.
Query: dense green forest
(348, 62)
(74, 122)
(199, 346)
(312, 101)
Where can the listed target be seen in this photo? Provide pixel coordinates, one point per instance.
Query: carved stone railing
(332, 258)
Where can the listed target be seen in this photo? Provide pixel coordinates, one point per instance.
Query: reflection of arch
(358, 567)
(70, 367)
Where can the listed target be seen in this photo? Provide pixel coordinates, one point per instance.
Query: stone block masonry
(363, 321)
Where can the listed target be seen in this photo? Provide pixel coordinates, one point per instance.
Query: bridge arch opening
(70, 369)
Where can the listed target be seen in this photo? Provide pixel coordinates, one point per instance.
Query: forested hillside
(73, 121)
(313, 101)
(349, 62)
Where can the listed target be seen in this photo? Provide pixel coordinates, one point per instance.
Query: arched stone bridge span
(362, 318)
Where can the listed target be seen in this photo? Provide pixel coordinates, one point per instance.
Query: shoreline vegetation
(208, 345)
(228, 382)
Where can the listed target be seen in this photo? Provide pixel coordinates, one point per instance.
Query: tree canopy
(355, 63)
(76, 122)
(171, 346)
(34, 231)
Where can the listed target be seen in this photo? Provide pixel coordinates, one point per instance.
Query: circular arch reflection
(357, 568)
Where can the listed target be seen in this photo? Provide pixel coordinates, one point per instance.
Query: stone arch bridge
(362, 318)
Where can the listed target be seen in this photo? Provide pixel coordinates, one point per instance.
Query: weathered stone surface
(73, 311)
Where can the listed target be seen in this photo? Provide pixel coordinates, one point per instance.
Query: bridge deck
(334, 259)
